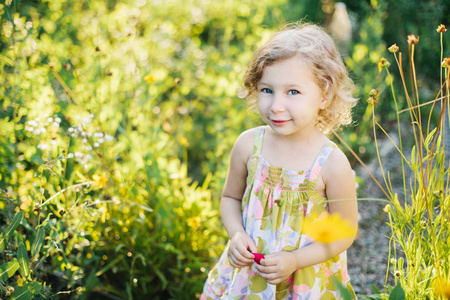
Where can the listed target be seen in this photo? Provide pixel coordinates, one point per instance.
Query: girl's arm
(241, 246)
(339, 181)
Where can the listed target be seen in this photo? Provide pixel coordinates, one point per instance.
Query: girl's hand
(241, 246)
(277, 267)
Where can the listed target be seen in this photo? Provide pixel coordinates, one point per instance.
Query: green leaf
(343, 290)
(38, 242)
(397, 293)
(374, 288)
(7, 270)
(27, 291)
(22, 256)
(10, 229)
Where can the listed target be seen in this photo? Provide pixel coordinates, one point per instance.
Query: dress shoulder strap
(257, 144)
(252, 163)
(321, 159)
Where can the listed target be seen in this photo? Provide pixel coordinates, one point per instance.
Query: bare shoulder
(243, 146)
(337, 164)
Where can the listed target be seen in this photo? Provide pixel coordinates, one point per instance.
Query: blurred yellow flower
(150, 78)
(100, 180)
(394, 48)
(412, 39)
(441, 28)
(328, 228)
(442, 288)
(446, 62)
(383, 63)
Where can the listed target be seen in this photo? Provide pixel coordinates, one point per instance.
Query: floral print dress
(275, 202)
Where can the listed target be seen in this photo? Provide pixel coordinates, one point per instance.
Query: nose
(277, 104)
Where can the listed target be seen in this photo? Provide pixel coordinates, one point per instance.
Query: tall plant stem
(378, 152)
(399, 130)
(362, 163)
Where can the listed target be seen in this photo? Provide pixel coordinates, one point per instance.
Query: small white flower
(96, 145)
(55, 124)
(78, 154)
(83, 133)
(43, 130)
(108, 138)
(43, 146)
(34, 184)
(101, 140)
(53, 142)
(29, 128)
(50, 120)
(70, 129)
(37, 132)
(88, 157)
(58, 120)
(91, 116)
(37, 119)
(88, 148)
(33, 123)
(84, 141)
(87, 120)
(70, 155)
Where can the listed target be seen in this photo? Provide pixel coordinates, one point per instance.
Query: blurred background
(117, 119)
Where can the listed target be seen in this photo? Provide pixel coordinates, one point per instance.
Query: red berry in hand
(258, 258)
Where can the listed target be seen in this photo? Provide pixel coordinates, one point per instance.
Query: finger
(252, 247)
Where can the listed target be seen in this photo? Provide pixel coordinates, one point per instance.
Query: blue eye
(293, 92)
(266, 91)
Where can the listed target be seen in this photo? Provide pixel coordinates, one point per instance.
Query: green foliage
(104, 106)
(117, 120)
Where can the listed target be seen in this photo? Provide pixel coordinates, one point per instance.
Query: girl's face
(289, 98)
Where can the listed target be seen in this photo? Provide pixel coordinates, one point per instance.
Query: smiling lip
(279, 122)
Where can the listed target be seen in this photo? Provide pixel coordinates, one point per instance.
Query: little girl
(281, 173)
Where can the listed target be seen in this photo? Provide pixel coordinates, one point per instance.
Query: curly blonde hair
(318, 49)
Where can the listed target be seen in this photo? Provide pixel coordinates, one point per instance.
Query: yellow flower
(373, 97)
(441, 28)
(387, 208)
(394, 48)
(327, 229)
(412, 39)
(100, 180)
(442, 288)
(383, 63)
(150, 78)
(446, 62)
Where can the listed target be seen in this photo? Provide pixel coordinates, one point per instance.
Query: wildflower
(446, 62)
(442, 288)
(382, 64)
(387, 208)
(423, 223)
(398, 273)
(441, 29)
(373, 97)
(394, 48)
(328, 228)
(100, 180)
(413, 40)
(149, 78)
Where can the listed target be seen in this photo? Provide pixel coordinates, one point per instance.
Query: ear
(326, 96)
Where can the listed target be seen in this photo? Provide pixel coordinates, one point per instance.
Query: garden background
(116, 123)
